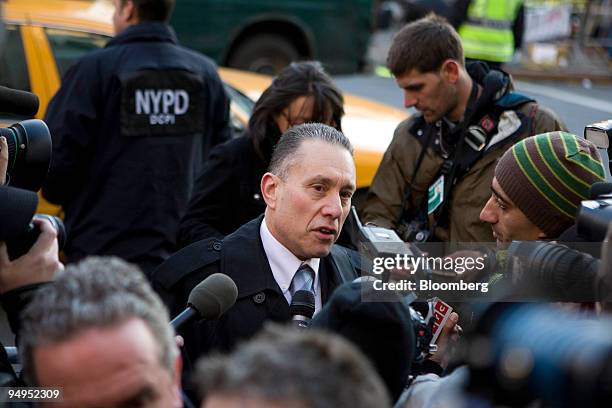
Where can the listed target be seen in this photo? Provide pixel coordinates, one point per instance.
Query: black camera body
(21, 244)
(29, 157)
(375, 242)
(595, 216)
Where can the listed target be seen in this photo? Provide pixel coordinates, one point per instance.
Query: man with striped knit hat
(538, 185)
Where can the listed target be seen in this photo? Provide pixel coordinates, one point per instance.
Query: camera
(595, 215)
(521, 353)
(558, 272)
(599, 134)
(17, 230)
(21, 244)
(553, 272)
(377, 242)
(29, 148)
(29, 157)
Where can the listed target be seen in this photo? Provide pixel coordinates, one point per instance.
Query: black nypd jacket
(131, 125)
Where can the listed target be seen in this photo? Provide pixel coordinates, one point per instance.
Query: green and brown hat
(547, 176)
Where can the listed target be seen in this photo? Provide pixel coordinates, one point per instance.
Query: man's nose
(489, 213)
(409, 100)
(333, 206)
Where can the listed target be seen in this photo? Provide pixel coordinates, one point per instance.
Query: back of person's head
(288, 367)
(424, 45)
(286, 151)
(547, 176)
(306, 78)
(153, 10)
(96, 293)
(380, 325)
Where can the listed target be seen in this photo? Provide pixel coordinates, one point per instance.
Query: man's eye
(318, 188)
(500, 205)
(347, 195)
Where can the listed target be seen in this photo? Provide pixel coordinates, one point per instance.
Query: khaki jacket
(383, 203)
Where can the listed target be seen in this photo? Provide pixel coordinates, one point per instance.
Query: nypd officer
(131, 126)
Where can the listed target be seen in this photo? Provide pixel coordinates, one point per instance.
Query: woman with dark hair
(227, 193)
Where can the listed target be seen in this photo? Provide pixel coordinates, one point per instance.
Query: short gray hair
(284, 364)
(285, 152)
(98, 292)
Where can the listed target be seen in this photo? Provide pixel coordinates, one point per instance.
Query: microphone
(18, 102)
(302, 308)
(208, 300)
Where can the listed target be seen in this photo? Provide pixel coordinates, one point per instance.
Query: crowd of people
(158, 197)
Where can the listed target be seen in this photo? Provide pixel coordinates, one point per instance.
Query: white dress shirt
(284, 265)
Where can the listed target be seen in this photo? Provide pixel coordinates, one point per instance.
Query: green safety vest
(487, 32)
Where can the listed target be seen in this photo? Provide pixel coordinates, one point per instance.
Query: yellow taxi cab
(44, 37)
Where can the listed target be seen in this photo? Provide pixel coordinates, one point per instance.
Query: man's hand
(3, 159)
(447, 339)
(38, 265)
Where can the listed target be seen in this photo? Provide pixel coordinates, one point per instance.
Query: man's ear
(450, 71)
(269, 189)
(130, 12)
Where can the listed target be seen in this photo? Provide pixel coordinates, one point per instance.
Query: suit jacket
(241, 256)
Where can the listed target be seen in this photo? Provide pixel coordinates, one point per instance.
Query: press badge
(435, 195)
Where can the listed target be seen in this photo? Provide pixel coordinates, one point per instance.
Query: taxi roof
(84, 15)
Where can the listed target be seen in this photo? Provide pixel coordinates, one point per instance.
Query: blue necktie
(303, 279)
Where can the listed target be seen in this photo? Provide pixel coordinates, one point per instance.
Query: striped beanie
(547, 176)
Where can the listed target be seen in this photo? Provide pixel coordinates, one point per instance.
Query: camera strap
(408, 192)
(473, 138)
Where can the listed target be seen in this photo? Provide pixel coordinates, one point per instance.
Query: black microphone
(208, 300)
(302, 308)
(18, 102)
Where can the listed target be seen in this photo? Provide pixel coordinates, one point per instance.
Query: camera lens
(58, 225)
(29, 147)
(553, 271)
(20, 245)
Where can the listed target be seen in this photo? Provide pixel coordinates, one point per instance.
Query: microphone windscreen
(18, 102)
(213, 296)
(599, 188)
(302, 303)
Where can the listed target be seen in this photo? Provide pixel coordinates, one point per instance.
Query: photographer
(20, 278)
(538, 185)
(536, 191)
(434, 177)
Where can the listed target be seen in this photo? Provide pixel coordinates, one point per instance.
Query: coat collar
(145, 32)
(244, 259)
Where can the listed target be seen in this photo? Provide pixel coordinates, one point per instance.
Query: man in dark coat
(131, 125)
(308, 197)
